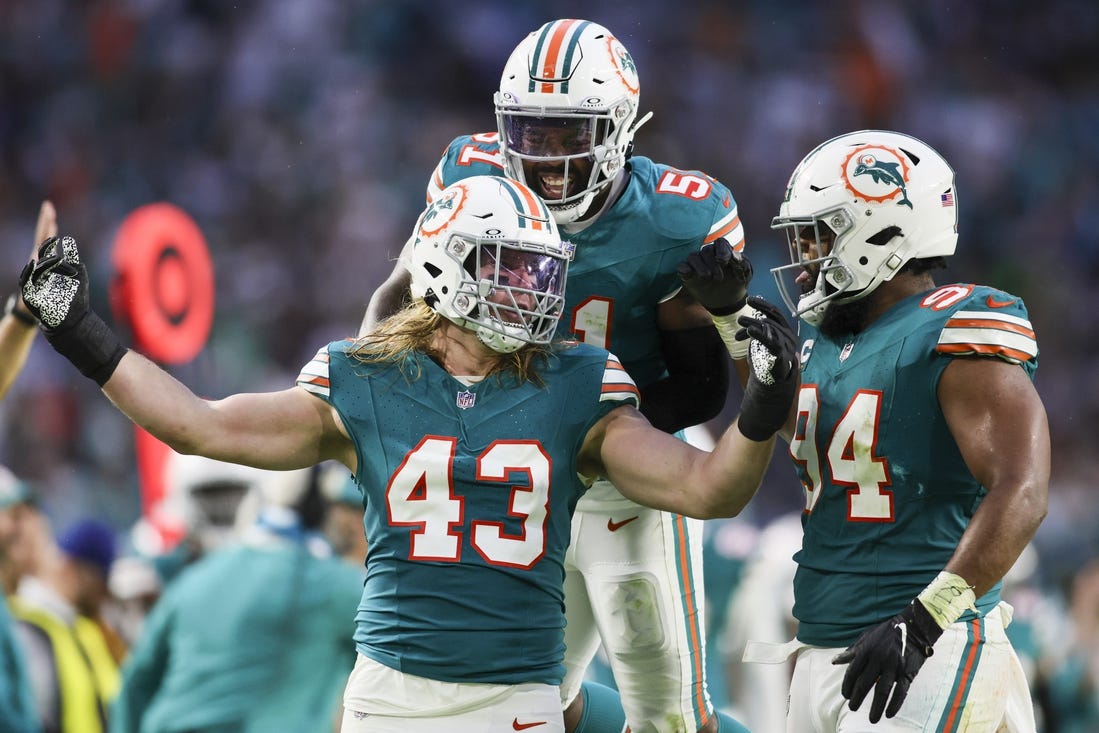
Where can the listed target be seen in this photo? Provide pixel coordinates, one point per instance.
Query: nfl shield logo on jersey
(466, 400)
(846, 351)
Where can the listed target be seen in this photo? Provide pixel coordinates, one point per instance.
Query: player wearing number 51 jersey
(567, 111)
(624, 265)
(922, 446)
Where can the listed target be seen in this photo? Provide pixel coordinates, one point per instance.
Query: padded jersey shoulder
(681, 204)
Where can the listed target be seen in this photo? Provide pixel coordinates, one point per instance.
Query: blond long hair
(412, 329)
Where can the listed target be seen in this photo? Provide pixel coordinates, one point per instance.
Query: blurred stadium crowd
(300, 136)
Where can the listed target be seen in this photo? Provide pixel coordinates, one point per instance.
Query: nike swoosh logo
(904, 636)
(614, 526)
(727, 200)
(991, 302)
(516, 725)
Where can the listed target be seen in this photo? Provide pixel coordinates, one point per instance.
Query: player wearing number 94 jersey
(922, 446)
(567, 110)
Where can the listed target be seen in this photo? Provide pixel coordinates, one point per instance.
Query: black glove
(717, 277)
(887, 658)
(772, 371)
(55, 289)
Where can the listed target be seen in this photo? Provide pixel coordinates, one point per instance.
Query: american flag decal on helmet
(555, 55)
(533, 213)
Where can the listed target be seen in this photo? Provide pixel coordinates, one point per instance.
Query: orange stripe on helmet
(553, 52)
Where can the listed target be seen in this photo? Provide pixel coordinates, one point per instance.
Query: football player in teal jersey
(472, 435)
(567, 109)
(922, 446)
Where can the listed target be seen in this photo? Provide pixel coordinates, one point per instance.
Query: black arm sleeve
(697, 383)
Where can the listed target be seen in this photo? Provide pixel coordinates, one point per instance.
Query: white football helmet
(215, 499)
(573, 75)
(487, 255)
(887, 197)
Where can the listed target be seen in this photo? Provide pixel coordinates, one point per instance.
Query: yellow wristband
(947, 597)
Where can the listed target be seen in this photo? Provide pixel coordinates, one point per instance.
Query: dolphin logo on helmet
(888, 176)
(859, 193)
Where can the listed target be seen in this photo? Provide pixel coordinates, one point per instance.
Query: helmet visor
(549, 137)
(520, 289)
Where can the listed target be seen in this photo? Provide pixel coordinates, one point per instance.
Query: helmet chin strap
(499, 342)
(567, 214)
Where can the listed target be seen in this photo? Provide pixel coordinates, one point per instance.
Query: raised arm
(277, 430)
(657, 470)
(717, 277)
(18, 325)
(273, 430)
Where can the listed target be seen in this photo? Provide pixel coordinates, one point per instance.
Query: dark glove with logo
(887, 658)
(717, 277)
(55, 289)
(773, 371)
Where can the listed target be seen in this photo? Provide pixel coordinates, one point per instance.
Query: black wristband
(11, 308)
(90, 345)
(924, 630)
(763, 411)
(755, 430)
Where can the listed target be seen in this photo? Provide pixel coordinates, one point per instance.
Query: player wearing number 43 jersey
(922, 446)
(472, 435)
(567, 110)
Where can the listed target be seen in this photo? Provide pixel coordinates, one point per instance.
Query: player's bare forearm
(1001, 527)
(1001, 428)
(16, 333)
(660, 471)
(16, 338)
(739, 464)
(277, 430)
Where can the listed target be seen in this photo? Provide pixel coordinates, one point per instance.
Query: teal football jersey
(469, 494)
(888, 494)
(625, 261)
